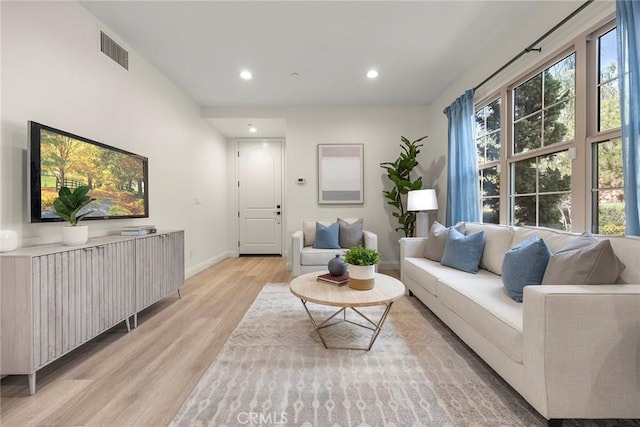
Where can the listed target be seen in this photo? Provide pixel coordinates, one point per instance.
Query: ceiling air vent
(113, 50)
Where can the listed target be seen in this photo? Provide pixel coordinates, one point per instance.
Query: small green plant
(68, 204)
(359, 255)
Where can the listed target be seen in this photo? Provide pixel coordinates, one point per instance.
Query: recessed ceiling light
(252, 129)
(372, 74)
(245, 75)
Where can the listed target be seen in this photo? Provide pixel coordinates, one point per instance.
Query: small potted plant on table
(362, 267)
(68, 206)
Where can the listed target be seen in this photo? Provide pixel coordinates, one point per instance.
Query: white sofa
(306, 258)
(572, 351)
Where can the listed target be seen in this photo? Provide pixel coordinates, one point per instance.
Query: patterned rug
(273, 370)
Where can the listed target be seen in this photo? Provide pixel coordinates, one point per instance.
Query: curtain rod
(531, 47)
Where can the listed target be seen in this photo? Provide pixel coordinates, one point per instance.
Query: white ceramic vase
(75, 235)
(362, 277)
(8, 240)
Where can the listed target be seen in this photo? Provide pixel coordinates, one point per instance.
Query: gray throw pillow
(595, 264)
(350, 234)
(437, 240)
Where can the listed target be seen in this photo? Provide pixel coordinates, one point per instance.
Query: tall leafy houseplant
(399, 173)
(68, 204)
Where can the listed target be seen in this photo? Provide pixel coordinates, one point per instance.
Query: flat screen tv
(117, 178)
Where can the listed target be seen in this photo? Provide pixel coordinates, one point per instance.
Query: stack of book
(138, 230)
(336, 280)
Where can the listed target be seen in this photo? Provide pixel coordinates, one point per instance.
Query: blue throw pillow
(463, 252)
(524, 265)
(327, 236)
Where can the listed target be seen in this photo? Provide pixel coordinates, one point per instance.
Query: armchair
(306, 258)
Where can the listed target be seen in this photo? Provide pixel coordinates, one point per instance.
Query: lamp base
(422, 224)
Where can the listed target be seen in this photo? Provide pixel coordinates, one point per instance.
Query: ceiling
(418, 47)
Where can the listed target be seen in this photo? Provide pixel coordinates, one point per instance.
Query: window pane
(610, 164)
(560, 81)
(555, 211)
(481, 124)
(611, 216)
(608, 56)
(609, 100)
(524, 176)
(491, 210)
(493, 147)
(480, 144)
(524, 210)
(527, 134)
(528, 97)
(493, 115)
(559, 123)
(490, 182)
(554, 172)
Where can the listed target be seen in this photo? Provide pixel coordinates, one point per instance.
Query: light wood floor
(142, 377)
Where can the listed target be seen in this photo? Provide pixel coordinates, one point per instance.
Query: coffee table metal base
(375, 327)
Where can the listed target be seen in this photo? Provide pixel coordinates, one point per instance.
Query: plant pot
(75, 235)
(362, 277)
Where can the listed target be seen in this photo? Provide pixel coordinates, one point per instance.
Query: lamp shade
(422, 200)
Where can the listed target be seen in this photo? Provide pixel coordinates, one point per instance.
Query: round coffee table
(309, 289)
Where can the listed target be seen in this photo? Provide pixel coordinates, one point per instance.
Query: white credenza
(54, 298)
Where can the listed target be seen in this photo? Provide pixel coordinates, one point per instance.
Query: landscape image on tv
(115, 179)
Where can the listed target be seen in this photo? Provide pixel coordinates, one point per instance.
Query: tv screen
(117, 178)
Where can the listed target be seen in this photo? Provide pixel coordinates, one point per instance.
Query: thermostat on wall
(301, 181)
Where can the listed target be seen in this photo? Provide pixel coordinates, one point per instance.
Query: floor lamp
(421, 201)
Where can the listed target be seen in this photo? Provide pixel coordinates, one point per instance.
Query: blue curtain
(628, 22)
(463, 192)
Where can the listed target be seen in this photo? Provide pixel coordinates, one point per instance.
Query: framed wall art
(340, 174)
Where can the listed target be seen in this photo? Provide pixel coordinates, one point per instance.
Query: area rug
(274, 370)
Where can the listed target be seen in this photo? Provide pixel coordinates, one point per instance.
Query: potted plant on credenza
(68, 206)
(362, 267)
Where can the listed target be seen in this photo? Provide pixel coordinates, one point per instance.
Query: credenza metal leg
(135, 320)
(179, 294)
(126, 321)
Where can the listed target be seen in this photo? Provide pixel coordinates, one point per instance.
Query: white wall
(544, 17)
(378, 128)
(54, 73)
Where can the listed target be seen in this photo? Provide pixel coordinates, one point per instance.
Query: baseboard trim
(192, 271)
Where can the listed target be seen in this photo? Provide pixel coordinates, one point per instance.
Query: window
(532, 143)
(607, 194)
(487, 133)
(544, 115)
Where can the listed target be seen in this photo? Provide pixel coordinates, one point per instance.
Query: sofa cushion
(524, 265)
(498, 240)
(350, 234)
(437, 240)
(483, 303)
(311, 256)
(463, 252)
(425, 272)
(309, 229)
(327, 236)
(555, 239)
(595, 264)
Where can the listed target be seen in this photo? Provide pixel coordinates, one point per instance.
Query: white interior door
(260, 197)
